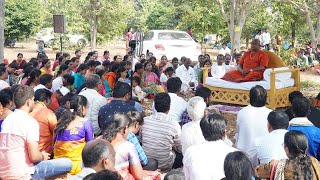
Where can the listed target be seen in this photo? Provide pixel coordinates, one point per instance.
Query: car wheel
(81, 43)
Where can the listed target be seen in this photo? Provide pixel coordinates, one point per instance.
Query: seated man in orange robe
(251, 65)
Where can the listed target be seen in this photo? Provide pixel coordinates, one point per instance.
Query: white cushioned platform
(247, 85)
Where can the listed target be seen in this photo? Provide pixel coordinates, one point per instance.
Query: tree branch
(294, 4)
(224, 14)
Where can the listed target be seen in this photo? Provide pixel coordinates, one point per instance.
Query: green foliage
(310, 86)
(287, 56)
(113, 17)
(205, 18)
(161, 17)
(259, 17)
(22, 18)
(25, 17)
(289, 18)
(72, 9)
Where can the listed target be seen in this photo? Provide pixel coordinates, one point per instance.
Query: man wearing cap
(46, 118)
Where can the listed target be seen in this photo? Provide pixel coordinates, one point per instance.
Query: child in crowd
(207, 64)
(236, 59)
(168, 73)
(136, 89)
(122, 75)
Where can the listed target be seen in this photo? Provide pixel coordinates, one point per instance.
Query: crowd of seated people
(85, 120)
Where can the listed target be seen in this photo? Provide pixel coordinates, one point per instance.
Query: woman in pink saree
(151, 80)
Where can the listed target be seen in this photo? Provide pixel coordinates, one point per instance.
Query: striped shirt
(134, 140)
(160, 138)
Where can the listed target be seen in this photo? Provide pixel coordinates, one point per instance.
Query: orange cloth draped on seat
(249, 61)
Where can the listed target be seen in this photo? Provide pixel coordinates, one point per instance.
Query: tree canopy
(24, 18)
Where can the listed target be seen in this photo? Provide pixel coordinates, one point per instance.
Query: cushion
(248, 85)
(274, 60)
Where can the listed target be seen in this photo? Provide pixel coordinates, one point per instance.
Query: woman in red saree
(251, 65)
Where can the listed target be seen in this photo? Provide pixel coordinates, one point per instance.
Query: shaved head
(255, 45)
(255, 41)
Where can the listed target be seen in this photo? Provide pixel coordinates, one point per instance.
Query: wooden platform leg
(272, 92)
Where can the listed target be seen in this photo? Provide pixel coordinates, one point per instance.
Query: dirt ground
(118, 48)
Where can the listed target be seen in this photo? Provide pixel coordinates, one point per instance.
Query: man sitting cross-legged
(252, 120)
(19, 144)
(191, 133)
(270, 147)
(205, 161)
(300, 122)
(251, 65)
(160, 135)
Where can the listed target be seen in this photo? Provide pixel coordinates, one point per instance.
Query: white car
(171, 43)
(46, 36)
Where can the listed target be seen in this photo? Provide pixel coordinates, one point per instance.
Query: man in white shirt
(224, 50)
(218, 70)
(191, 133)
(95, 101)
(260, 37)
(270, 146)
(266, 39)
(97, 155)
(187, 75)
(252, 120)
(178, 105)
(205, 161)
(19, 144)
(45, 82)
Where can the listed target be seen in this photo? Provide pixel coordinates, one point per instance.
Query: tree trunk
(239, 10)
(2, 8)
(91, 30)
(94, 32)
(293, 34)
(93, 24)
(311, 28)
(231, 27)
(247, 42)
(237, 36)
(318, 20)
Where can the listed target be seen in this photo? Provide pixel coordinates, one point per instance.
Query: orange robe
(249, 62)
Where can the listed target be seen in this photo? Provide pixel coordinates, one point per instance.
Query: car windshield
(173, 36)
(148, 36)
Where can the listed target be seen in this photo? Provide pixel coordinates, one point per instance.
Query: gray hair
(92, 81)
(196, 107)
